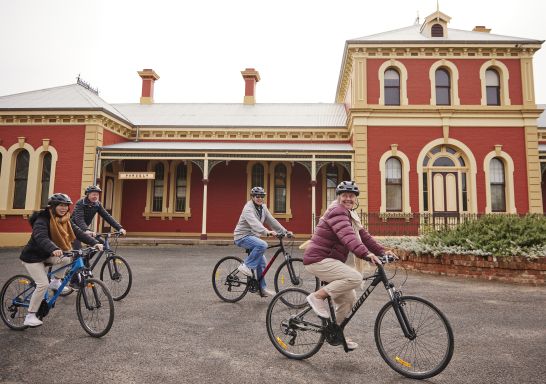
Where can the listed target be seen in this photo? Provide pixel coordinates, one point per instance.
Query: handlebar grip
(386, 259)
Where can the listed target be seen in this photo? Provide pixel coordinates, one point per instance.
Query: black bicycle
(412, 335)
(231, 285)
(94, 304)
(115, 271)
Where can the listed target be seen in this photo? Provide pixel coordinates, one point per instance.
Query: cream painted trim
(149, 192)
(39, 158)
(454, 74)
(504, 75)
(508, 180)
(249, 166)
(288, 214)
(406, 166)
(14, 239)
(471, 174)
(402, 71)
(172, 189)
(4, 177)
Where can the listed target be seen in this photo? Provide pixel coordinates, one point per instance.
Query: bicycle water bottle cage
(43, 310)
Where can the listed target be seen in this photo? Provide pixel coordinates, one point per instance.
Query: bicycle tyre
(226, 277)
(429, 352)
(97, 318)
(307, 281)
(292, 326)
(119, 282)
(14, 315)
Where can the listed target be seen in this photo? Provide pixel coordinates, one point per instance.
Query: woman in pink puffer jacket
(339, 232)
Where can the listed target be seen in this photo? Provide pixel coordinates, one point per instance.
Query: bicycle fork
(95, 296)
(398, 307)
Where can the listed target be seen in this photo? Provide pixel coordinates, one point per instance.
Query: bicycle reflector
(281, 343)
(404, 363)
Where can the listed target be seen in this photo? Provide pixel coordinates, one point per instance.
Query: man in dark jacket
(85, 210)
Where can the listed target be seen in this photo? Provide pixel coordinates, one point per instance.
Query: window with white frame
(158, 187)
(497, 185)
(492, 87)
(280, 184)
(392, 87)
(181, 185)
(393, 181)
(443, 87)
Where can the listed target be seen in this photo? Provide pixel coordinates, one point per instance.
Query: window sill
(25, 213)
(396, 215)
(287, 216)
(166, 215)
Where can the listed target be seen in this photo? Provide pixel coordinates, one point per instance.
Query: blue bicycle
(94, 303)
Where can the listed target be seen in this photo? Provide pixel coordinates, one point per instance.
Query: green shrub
(499, 235)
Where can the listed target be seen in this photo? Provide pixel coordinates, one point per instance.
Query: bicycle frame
(109, 251)
(75, 266)
(282, 250)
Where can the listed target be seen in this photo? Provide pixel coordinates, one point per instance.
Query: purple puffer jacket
(334, 237)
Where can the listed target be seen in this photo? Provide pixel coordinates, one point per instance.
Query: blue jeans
(256, 259)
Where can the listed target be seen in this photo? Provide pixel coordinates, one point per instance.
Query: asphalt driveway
(172, 328)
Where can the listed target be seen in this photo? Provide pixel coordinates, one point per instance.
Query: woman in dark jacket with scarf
(52, 233)
(339, 232)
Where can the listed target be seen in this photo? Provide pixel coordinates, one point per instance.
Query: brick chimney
(481, 28)
(148, 79)
(251, 77)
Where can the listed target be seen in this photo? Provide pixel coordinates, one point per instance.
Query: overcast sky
(199, 47)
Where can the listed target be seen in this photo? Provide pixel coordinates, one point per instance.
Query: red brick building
(427, 119)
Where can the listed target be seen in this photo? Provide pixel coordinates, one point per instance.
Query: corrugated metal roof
(541, 121)
(235, 115)
(229, 146)
(413, 34)
(68, 97)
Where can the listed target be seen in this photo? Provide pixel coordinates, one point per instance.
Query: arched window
(258, 175)
(279, 202)
(158, 186)
(46, 178)
(181, 187)
(392, 87)
(393, 180)
(498, 185)
(437, 30)
(332, 180)
(443, 87)
(21, 179)
(492, 87)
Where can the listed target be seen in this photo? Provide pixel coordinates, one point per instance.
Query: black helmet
(58, 198)
(347, 186)
(257, 191)
(92, 188)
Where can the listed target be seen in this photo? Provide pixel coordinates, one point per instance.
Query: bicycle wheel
(15, 297)
(429, 352)
(292, 326)
(303, 279)
(229, 284)
(116, 274)
(95, 307)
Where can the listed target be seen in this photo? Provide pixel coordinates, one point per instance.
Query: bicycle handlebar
(386, 259)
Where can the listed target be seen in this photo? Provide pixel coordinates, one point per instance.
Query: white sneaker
(55, 284)
(244, 270)
(351, 345)
(267, 292)
(32, 321)
(319, 306)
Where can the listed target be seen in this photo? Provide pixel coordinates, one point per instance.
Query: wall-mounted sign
(136, 175)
